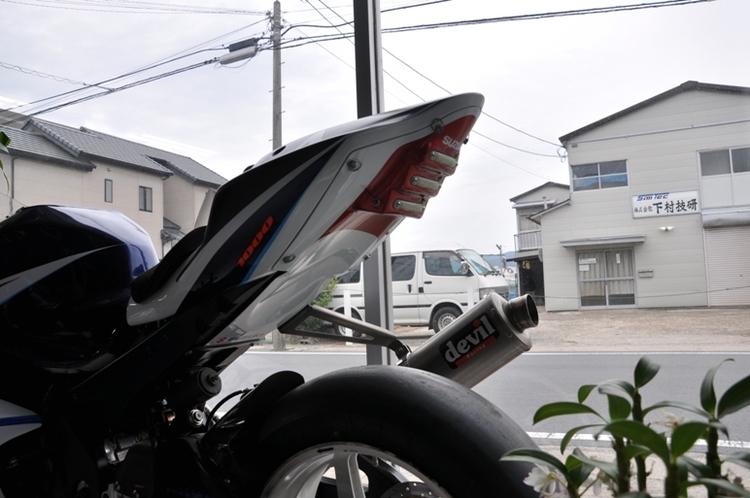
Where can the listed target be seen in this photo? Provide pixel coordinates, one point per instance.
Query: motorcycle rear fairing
(279, 228)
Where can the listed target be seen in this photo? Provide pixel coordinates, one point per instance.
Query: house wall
(183, 201)
(660, 144)
(40, 183)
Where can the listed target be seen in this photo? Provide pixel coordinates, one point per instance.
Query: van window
(477, 262)
(350, 277)
(402, 267)
(442, 263)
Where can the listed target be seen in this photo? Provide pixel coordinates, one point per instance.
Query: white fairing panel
(16, 421)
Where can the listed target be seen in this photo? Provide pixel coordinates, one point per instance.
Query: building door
(728, 265)
(606, 278)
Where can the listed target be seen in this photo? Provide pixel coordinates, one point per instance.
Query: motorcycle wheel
(383, 432)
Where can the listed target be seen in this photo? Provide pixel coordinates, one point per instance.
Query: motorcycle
(109, 357)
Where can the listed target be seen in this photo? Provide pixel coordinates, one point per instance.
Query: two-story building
(528, 238)
(659, 207)
(49, 163)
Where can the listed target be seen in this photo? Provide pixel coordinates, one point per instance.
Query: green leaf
(619, 407)
(642, 435)
(739, 457)
(562, 408)
(608, 468)
(735, 398)
(645, 371)
(631, 451)
(634, 494)
(4, 141)
(534, 456)
(697, 468)
(613, 387)
(584, 391)
(708, 395)
(679, 405)
(578, 471)
(685, 435)
(572, 432)
(723, 484)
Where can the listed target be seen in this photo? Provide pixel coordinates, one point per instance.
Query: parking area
(647, 330)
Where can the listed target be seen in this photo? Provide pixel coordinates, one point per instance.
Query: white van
(429, 287)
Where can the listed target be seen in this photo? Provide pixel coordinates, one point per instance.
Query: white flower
(602, 478)
(549, 483)
(670, 421)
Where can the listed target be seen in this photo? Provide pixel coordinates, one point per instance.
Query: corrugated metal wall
(728, 264)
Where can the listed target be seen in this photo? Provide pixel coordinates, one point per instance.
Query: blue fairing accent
(21, 420)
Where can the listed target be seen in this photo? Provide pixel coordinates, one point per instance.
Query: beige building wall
(660, 143)
(41, 183)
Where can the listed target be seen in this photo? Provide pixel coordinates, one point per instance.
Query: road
(538, 378)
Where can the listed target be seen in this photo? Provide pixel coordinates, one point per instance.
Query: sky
(541, 78)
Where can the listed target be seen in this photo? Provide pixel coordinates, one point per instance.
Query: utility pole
(278, 338)
(276, 74)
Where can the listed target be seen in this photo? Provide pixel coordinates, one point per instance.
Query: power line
(133, 7)
(547, 15)
(125, 87)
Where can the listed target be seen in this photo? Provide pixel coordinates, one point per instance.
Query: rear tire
(444, 316)
(370, 424)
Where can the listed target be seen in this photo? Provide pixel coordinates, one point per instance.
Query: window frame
(730, 154)
(109, 190)
(599, 176)
(145, 199)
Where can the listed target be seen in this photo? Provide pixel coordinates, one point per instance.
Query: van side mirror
(464, 270)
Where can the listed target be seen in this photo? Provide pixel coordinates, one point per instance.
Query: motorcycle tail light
(443, 160)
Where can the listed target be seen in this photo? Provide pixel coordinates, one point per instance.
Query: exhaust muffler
(480, 341)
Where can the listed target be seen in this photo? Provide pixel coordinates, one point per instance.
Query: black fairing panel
(65, 277)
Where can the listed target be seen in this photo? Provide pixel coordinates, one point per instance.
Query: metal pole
(279, 344)
(276, 75)
(369, 69)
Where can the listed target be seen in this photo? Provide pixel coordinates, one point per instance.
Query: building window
(725, 162)
(145, 199)
(108, 188)
(597, 176)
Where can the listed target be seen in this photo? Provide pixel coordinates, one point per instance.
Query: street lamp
(239, 51)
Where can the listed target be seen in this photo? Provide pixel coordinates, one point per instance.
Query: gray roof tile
(24, 143)
(95, 145)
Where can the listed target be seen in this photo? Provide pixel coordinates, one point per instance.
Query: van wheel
(341, 330)
(443, 317)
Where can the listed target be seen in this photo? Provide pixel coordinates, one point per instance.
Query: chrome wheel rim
(341, 466)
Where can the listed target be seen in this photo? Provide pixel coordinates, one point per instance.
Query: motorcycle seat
(148, 282)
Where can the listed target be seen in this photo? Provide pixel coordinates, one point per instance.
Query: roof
(545, 185)
(27, 144)
(87, 144)
(688, 86)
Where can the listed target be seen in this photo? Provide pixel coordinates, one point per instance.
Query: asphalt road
(534, 379)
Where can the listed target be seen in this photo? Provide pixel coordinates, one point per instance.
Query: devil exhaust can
(480, 341)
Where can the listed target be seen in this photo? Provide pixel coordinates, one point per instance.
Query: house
(49, 163)
(528, 238)
(659, 207)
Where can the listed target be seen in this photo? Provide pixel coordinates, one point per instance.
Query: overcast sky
(544, 77)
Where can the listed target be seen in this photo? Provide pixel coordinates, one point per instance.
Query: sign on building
(665, 204)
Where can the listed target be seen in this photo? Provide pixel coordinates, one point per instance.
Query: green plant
(312, 323)
(634, 439)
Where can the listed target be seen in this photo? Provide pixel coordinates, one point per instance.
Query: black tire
(443, 316)
(446, 435)
(339, 330)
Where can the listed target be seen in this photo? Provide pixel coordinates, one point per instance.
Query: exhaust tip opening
(522, 312)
